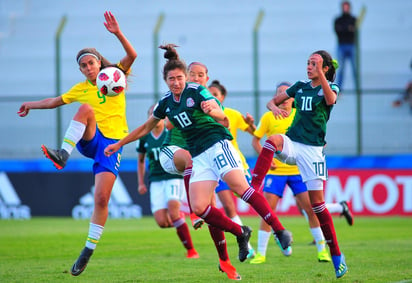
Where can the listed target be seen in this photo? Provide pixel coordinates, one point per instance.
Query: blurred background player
(176, 159)
(166, 190)
(99, 121)
(246, 124)
(280, 175)
(343, 209)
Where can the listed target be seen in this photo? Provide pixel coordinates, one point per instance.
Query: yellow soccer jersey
(110, 112)
(236, 122)
(268, 126)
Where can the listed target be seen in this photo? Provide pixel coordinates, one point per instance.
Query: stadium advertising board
(370, 192)
(23, 195)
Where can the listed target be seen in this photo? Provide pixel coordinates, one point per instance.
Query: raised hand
(318, 60)
(111, 23)
(249, 119)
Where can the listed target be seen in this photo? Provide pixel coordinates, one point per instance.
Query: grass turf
(377, 249)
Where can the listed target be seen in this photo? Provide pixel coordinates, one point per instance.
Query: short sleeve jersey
(110, 112)
(309, 125)
(199, 130)
(236, 122)
(269, 126)
(150, 145)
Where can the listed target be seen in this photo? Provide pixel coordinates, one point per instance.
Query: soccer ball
(111, 81)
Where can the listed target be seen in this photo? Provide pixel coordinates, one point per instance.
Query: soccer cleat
(243, 241)
(57, 156)
(192, 253)
(284, 240)
(81, 262)
(346, 212)
(259, 258)
(197, 222)
(251, 253)
(229, 269)
(340, 265)
(323, 256)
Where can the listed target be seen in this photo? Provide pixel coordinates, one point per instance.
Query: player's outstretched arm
(272, 105)
(112, 26)
(251, 122)
(133, 136)
(48, 103)
(141, 169)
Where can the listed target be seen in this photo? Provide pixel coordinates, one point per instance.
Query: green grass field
(43, 250)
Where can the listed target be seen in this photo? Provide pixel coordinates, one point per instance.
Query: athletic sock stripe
(206, 212)
(70, 142)
(179, 222)
(247, 194)
(91, 240)
(319, 208)
(187, 172)
(269, 146)
(228, 153)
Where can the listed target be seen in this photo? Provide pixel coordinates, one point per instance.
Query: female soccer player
(174, 156)
(176, 159)
(166, 190)
(99, 121)
(281, 174)
(304, 141)
(194, 111)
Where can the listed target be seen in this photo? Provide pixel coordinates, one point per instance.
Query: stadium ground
(378, 249)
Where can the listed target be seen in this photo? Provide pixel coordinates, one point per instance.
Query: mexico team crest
(190, 102)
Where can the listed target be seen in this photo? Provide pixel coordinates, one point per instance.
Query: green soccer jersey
(309, 125)
(175, 137)
(150, 145)
(199, 130)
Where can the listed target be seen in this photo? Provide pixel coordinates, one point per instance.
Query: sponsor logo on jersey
(190, 102)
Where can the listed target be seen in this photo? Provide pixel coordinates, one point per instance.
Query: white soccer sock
(334, 207)
(73, 134)
(263, 239)
(319, 238)
(305, 215)
(237, 220)
(95, 232)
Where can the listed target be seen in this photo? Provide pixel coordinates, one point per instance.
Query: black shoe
(346, 212)
(81, 262)
(57, 156)
(284, 241)
(243, 241)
